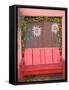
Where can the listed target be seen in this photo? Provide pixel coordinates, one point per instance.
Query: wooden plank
(19, 52)
(48, 55)
(43, 72)
(53, 39)
(42, 56)
(56, 55)
(19, 47)
(36, 56)
(47, 35)
(44, 69)
(28, 56)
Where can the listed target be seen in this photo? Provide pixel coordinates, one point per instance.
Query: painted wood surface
(28, 56)
(48, 56)
(19, 47)
(36, 56)
(19, 53)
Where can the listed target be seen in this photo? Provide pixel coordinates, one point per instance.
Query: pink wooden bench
(41, 61)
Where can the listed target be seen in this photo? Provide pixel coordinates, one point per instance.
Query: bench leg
(63, 73)
(21, 73)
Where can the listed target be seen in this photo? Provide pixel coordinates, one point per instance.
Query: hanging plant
(59, 36)
(22, 24)
(29, 19)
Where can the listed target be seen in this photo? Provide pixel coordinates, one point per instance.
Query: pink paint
(42, 55)
(28, 56)
(48, 55)
(63, 36)
(19, 52)
(40, 12)
(19, 47)
(56, 55)
(36, 56)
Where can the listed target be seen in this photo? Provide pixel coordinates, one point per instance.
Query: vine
(22, 26)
